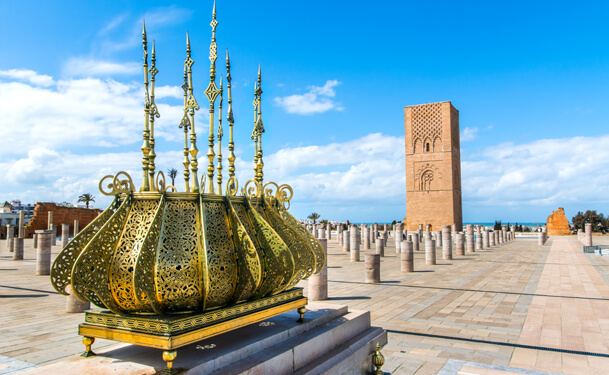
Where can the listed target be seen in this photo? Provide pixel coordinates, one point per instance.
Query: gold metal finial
(378, 360)
(212, 93)
(231, 121)
(192, 106)
(146, 133)
(185, 124)
(154, 112)
(220, 135)
(258, 129)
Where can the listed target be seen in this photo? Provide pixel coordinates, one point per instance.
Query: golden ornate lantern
(169, 265)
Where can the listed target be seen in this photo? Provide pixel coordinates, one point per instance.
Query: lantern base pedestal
(170, 332)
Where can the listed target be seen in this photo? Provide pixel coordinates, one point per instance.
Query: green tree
(172, 173)
(324, 221)
(314, 216)
(599, 222)
(497, 225)
(86, 198)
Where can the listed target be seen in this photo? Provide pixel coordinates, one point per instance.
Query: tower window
(427, 147)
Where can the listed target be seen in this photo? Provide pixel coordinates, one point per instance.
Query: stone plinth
(346, 241)
(373, 268)
(380, 247)
(459, 244)
(74, 305)
(353, 245)
(318, 283)
(588, 235)
(447, 246)
(430, 252)
(18, 248)
(43, 252)
(557, 223)
(407, 258)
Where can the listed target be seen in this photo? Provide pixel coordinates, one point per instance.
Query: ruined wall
(61, 215)
(558, 224)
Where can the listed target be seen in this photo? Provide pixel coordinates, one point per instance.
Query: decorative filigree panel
(90, 272)
(220, 254)
(427, 126)
(318, 250)
(275, 250)
(127, 251)
(304, 260)
(250, 268)
(61, 272)
(144, 273)
(179, 272)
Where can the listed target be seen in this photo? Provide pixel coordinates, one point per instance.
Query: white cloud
(81, 67)
(546, 172)
(469, 134)
(28, 76)
(77, 112)
(316, 100)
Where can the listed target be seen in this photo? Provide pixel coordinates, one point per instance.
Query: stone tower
(433, 166)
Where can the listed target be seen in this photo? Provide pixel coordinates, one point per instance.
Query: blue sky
(530, 81)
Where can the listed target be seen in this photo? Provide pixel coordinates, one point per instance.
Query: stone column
(329, 232)
(420, 234)
(373, 268)
(318, 284)
(430, 252)
(588, 235)
(65, 235)
(76, 229)
(491, 239)
(397, 238)
(385, 227)
(447, 246)
(339, 233)
(54, 235)
(354, 245)
(321, 233)
(74, 305)
(315, 231)
(426, 236)
(407, 257)
(415, 241)
(9, 236)
(380, 247)
(469, 239)
(20, 231)
(580, 235)
(497, 241)
(346, 241)
(18, 248)
(438, 238)
(504, 232)
(500, 235)
(50, 219)
(485, 240)
(459, 244)
(540, 238)
(366, 238)
(478, 241)
(35, 238)
(43, 252)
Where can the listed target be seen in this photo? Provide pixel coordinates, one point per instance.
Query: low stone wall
(61, 215)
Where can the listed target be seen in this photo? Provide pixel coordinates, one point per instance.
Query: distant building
(9, 212)
(433, 166)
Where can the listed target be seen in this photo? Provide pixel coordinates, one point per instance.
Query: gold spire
(212, 93)
(220, 135)
(146, 134)
(154, 112)
(185, 124)
(231, 144)
(192, 106)
(258, 129)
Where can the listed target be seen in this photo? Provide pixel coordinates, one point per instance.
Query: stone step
(344, 341)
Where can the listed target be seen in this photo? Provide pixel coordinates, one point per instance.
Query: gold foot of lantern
(301, 310)
(88, 341)
(169, 356)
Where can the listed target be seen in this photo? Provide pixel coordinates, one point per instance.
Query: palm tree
(314, 216)
(172, 173)
(87, 198)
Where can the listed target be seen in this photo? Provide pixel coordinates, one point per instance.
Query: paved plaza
(515, 308)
